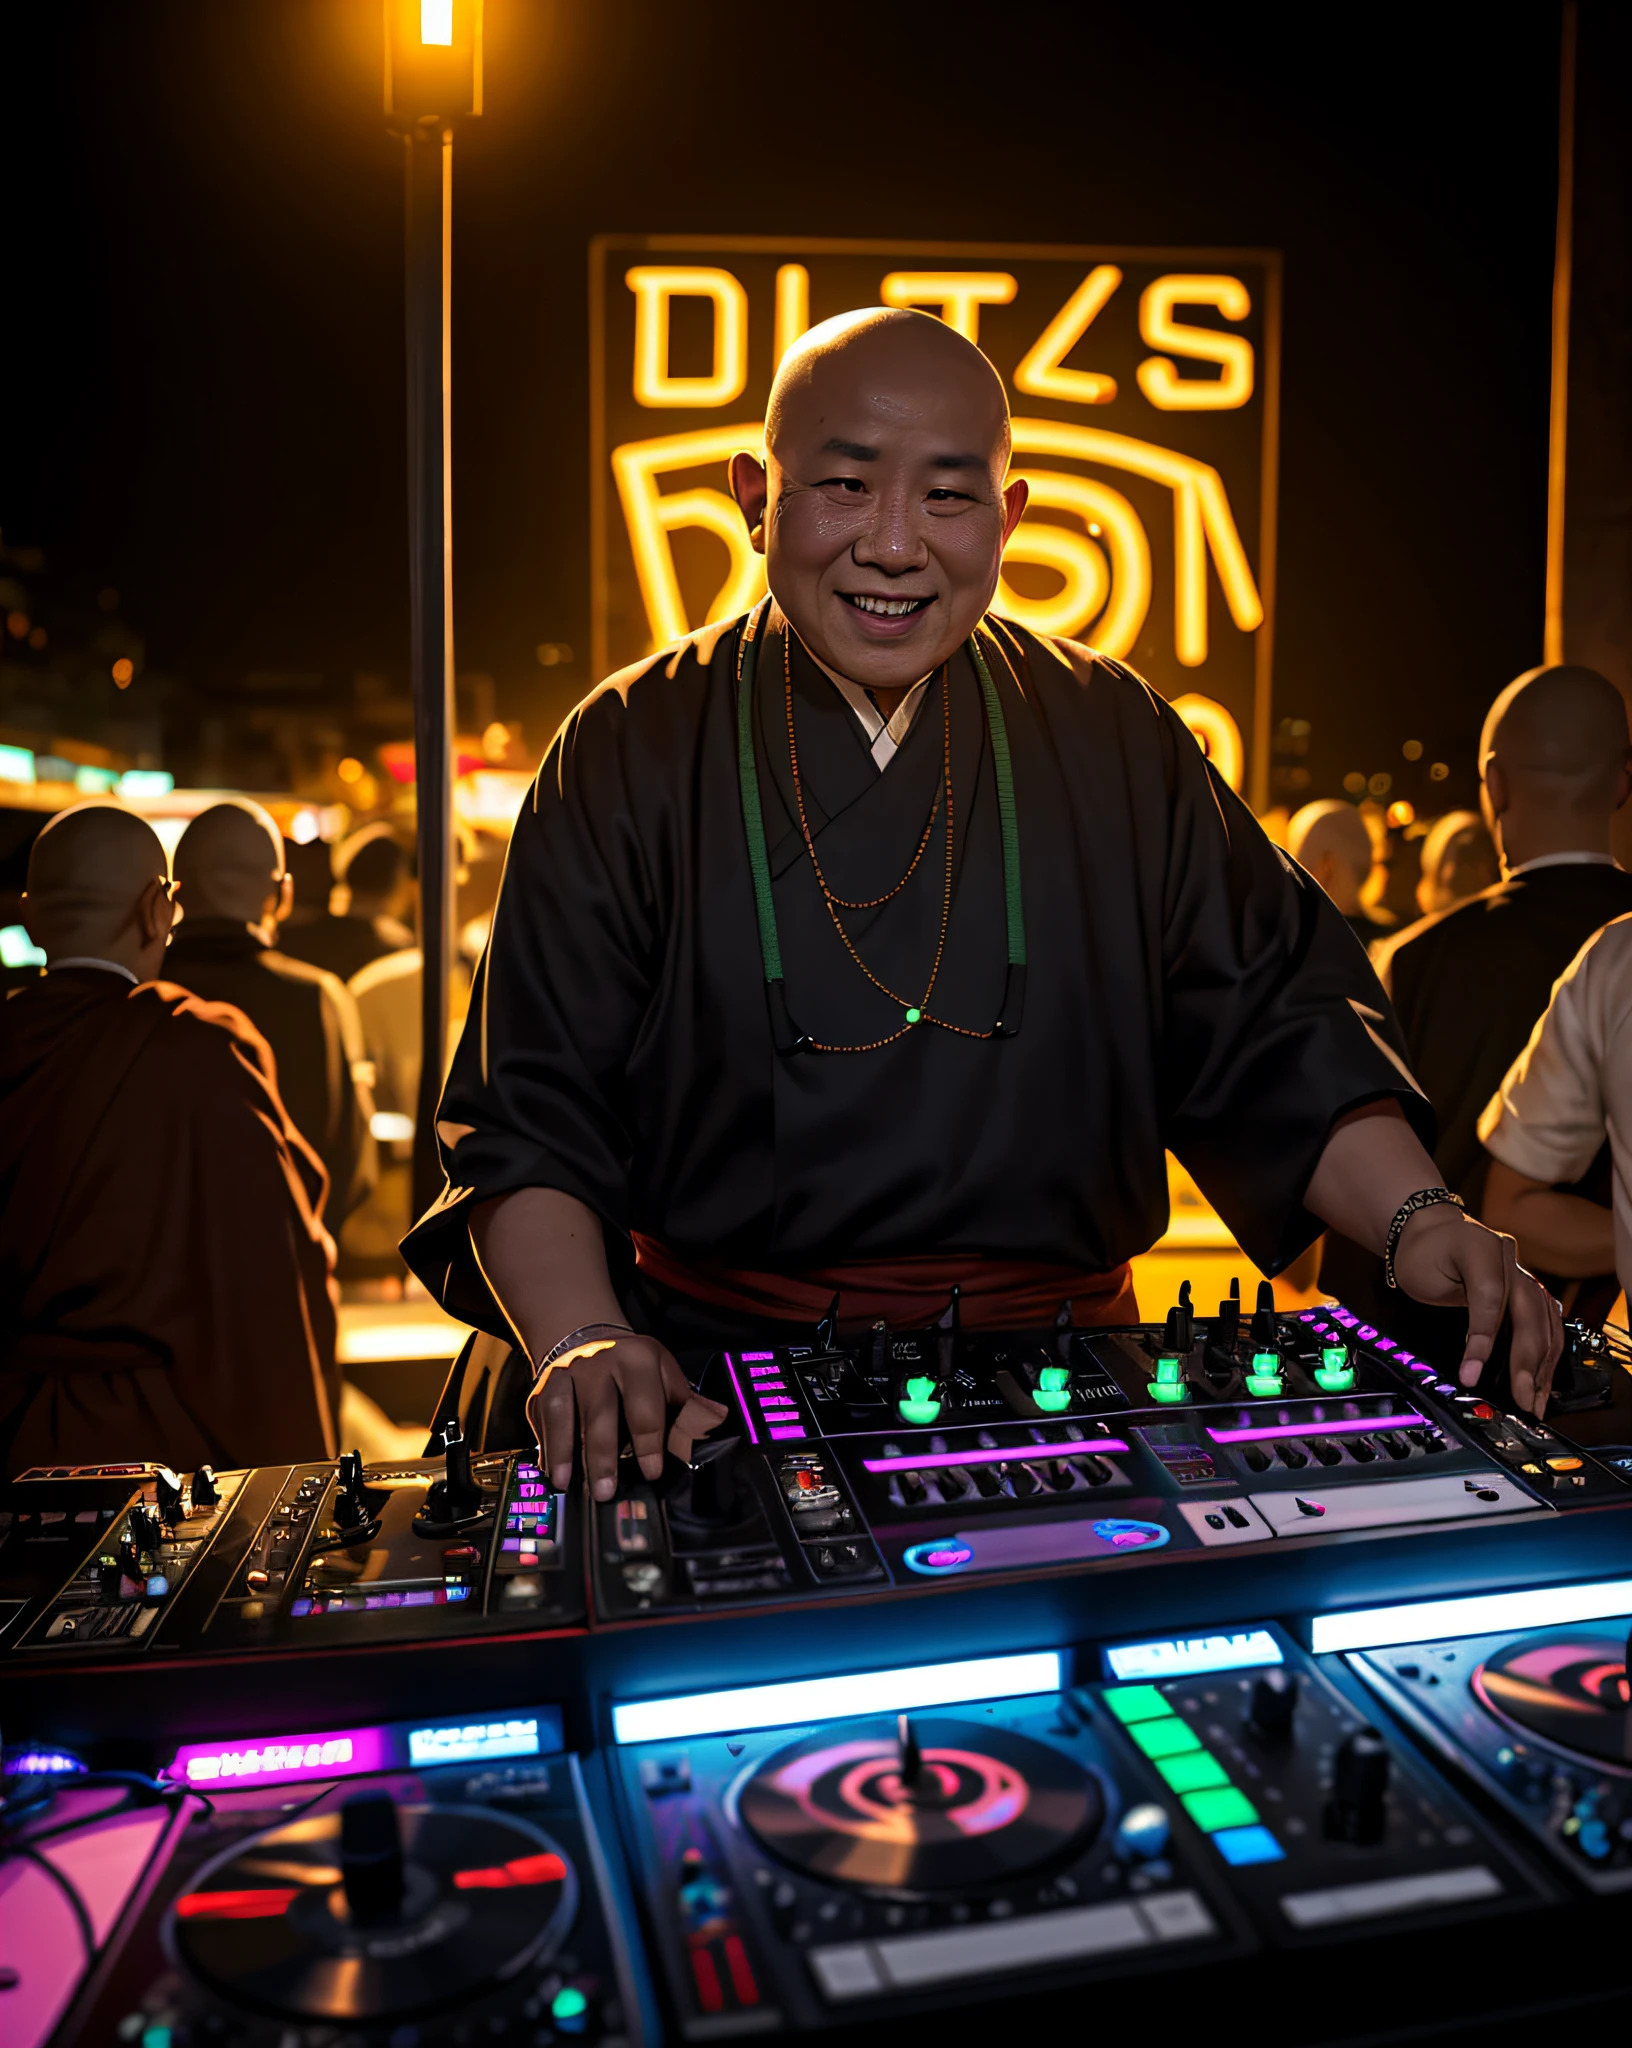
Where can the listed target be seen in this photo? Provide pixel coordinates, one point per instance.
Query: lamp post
(433, 75)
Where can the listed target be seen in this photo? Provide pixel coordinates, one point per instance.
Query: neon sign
(1144, 387)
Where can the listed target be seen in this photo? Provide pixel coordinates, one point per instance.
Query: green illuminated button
(1169, 1393)
(915, 1015)
(1171, 1737)
(1264, 1379)
(1169, 1369)
(918, 1404)
(1197, 1772)
(569, 2003)
(1224, 1807)
(1052, 1392)
(1334, 1374)
(1136, 1703)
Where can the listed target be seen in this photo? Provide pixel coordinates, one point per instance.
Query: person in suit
(1469, 983)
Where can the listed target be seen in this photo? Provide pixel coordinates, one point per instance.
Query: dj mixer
(954, 1669)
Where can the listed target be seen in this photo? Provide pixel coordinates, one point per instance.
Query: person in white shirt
(1566, 1093)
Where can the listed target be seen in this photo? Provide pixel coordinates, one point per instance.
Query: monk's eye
(941, 495)
(852, 484)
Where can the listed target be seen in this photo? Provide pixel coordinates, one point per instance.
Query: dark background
(202, 379)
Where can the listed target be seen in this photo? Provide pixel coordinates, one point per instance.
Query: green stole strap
(787, 1035)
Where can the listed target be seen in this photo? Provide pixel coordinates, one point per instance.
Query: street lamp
(433, 76)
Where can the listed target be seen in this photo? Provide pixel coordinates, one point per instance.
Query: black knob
(1264, 1333)
(206, 1494)
(371, 1858)
(146, 1530)
(350, 1507)
(167, 1487)
(1179, 1332)
(714, 1488)
(1358, 1809)
(1274, 1704)
(460, 1497)
(1227, 1323)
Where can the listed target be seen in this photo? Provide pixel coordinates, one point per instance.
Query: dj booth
(1241, 1665)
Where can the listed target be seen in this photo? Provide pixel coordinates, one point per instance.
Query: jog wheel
(1571, 1690)
(921, 1807)
(374, 1913)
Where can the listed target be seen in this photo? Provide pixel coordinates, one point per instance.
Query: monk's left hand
(1449, 1260)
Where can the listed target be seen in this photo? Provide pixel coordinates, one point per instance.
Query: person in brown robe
(164, 1278)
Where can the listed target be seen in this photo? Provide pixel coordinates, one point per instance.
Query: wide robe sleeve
(535, 1095)
(1274, 1023)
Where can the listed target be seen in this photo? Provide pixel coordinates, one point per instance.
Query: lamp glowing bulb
(436, 22)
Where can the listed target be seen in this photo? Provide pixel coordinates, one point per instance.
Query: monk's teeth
(888, 607)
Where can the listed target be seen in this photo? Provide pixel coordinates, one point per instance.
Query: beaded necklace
(786, 1035)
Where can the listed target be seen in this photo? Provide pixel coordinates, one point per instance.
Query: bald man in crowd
(1333, 842)
(164, 1278)
(236, 895)
(869, 947)
(1470, 982)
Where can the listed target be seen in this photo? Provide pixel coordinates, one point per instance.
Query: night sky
(202, 325)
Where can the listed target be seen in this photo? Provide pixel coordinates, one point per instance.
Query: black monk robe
(1187, 985)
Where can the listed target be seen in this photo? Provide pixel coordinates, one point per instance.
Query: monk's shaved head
(1554, 764)
(882, 506)
(1565, 724)
(96, 876)
(229, 862)
(893, 356)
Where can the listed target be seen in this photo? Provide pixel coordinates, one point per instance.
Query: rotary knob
(1358, 1809)
(1274, 1705)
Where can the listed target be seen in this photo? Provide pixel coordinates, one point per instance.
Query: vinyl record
(1569, 1689)
(267, 1925)
(920, 1807)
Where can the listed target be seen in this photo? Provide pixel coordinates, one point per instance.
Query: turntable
(1541, 1720)
(328, 1894)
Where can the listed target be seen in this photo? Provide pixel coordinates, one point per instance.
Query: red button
(1481, 1411)
(806, 1481)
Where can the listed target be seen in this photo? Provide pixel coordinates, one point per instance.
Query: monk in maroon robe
(164, 1278)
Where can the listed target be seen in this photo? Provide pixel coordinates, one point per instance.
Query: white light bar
(1477, 1614)
(825, 1699)
(1186, 1656)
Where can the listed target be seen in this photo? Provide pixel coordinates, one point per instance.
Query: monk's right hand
(634, 1373)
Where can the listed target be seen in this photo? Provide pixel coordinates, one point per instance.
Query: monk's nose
(894, 541)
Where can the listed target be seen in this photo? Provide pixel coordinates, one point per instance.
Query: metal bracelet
(575, 1337)
(1424, 1198)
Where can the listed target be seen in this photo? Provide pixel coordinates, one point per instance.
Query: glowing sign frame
(960, 282)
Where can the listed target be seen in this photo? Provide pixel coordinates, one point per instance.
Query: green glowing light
(1169, 1369)
(1052, 1378)
(918, 1404)
(1335, 1379)
(569, 2003)
(1334, 1355)
(1169, 1392)
(1264, 1386)
(915, 1016)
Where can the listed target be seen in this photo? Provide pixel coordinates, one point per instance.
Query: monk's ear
(157, 910)
(286, 898)
(751, 488)
(1015, 493)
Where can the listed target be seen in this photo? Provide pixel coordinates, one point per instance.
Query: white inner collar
(884, 735)
(90, 960)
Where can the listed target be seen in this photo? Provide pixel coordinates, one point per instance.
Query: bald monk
(236, 894)
(1333, 842)
(164, 1280)
(780, 1005)
(1470, 983)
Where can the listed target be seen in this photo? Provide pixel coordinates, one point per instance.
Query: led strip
(1475, 1614)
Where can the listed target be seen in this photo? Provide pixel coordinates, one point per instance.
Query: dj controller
(1238, 1662)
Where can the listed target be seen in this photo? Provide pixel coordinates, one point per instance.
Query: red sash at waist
(907, 1293)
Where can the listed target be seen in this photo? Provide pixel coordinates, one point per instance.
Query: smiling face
(882, 510)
